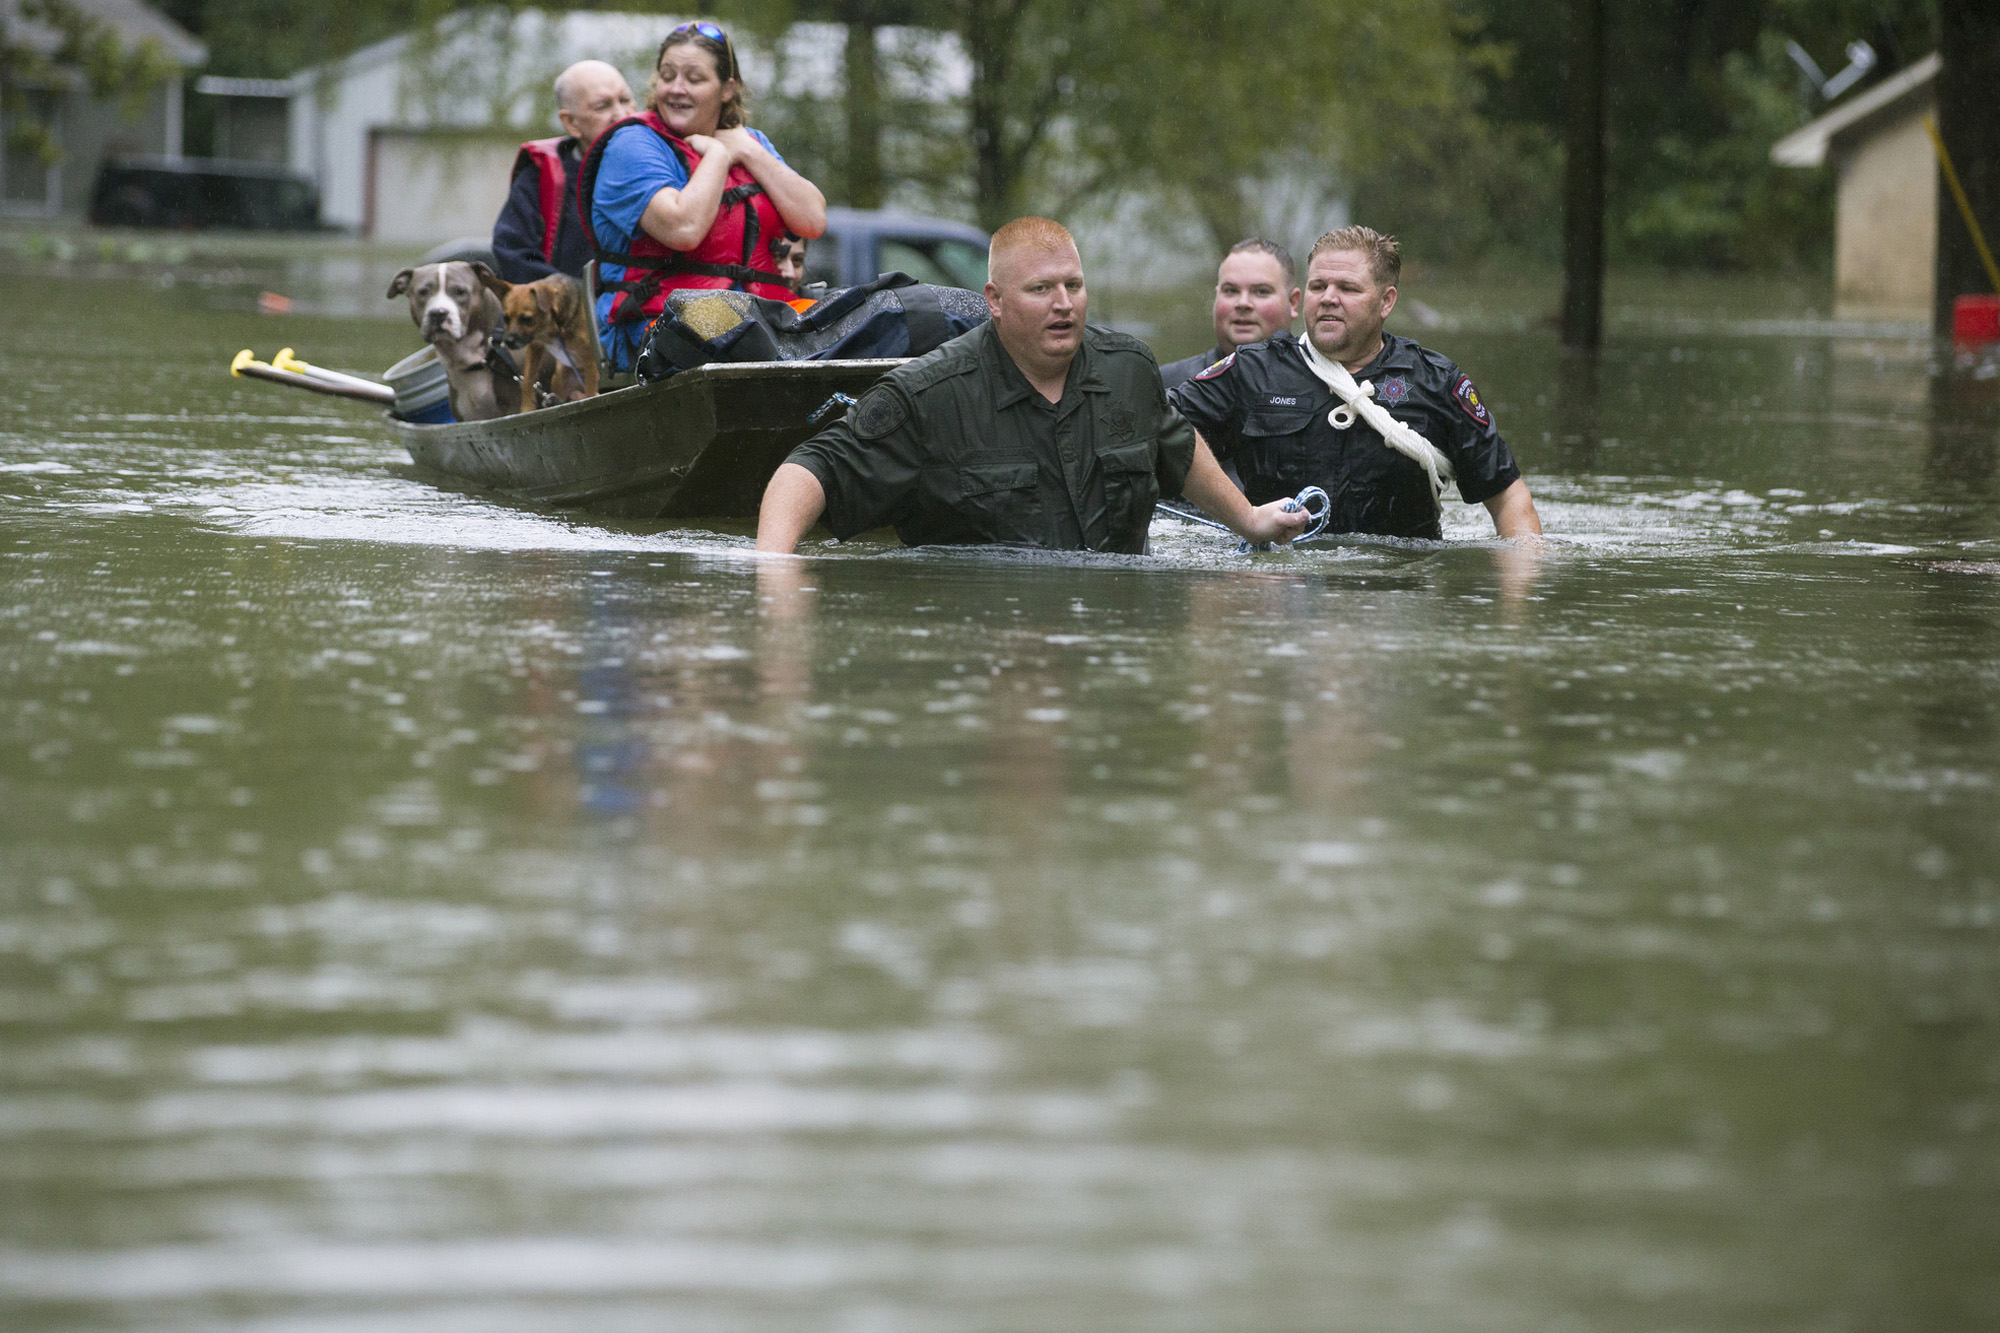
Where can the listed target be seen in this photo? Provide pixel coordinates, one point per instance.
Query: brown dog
(547, 318)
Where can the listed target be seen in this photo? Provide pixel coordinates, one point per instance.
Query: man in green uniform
(1033, 430)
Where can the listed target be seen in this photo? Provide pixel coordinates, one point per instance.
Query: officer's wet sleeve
(1214, 407)
(1176, 452)
(1482, 460)
(867, 463)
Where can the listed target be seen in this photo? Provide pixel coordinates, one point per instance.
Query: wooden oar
(336, 384)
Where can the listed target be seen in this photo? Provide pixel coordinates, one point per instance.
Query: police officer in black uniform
(1033, 429)
(1264, 410)
(1255, 297)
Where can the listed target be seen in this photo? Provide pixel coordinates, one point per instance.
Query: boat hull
(702, 444)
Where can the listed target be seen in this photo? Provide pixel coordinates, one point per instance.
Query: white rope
(1359, 400)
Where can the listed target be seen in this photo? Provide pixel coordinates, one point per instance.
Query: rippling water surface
(424, 913)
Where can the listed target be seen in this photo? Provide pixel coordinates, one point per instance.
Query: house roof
(133, 20)
(1807, 145)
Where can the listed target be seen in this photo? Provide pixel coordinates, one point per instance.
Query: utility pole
(1969, 122)
(1583, 178)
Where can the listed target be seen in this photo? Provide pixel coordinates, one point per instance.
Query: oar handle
(284, 360)
(247, 364)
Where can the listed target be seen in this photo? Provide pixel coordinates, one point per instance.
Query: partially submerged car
(199, 193)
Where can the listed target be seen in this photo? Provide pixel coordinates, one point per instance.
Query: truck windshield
(942, 263)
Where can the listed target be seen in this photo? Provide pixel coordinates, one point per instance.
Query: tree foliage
(1208, 103)
(1436, 119)
(1697, 93)
(85, 47)
(276, 38)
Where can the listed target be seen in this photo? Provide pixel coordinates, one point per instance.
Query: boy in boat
(790, 252)
(1374, 420)
(1034, 429)
(1255, 297)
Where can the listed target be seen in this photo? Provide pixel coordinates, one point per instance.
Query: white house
(1886, 217)
(86, 130)
(410, 140)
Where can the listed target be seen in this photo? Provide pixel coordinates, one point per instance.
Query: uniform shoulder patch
(1468, 398)
(1219, 368)
(880, 411)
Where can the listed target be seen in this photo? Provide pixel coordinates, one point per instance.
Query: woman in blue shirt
(685, 194)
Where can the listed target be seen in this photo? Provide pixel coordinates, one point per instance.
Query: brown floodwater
(419, 912)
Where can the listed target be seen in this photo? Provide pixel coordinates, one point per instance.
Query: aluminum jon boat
(701, 444)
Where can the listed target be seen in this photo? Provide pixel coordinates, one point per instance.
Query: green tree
(864, 117)
(276, 38)
(1696, 92)
(1969, 120)
(1207, 103)
(1022, 58)
(46, 42)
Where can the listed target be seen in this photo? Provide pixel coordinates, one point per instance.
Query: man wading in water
(1374, 420)
(1255, 297)
(1034, 429)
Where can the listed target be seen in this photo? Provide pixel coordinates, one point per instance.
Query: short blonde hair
(1385, 255)
(1027, 234)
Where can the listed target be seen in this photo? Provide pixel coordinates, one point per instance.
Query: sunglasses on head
(714, 34)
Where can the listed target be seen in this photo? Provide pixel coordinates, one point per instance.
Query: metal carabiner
(838, 400)
(1320, 516)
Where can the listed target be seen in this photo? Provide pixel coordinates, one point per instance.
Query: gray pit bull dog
(456, 314)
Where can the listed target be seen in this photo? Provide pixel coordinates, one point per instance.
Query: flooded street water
(423, 913)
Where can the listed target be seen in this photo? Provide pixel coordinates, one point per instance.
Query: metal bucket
(423, 394)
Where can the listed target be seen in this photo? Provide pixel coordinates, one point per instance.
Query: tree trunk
(864, 118)
(1583, 179)
(989, 44)
(1220, 203)
(1969, 120)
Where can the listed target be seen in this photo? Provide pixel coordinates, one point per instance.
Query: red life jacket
(542, 154)
(736, 253)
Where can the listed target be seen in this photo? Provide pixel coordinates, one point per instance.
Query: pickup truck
(861, 243)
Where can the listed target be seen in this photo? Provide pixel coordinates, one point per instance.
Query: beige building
(1886, 223)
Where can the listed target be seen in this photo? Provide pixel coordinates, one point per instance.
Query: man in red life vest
(538, 232)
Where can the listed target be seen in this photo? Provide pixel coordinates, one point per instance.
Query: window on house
(28, 182)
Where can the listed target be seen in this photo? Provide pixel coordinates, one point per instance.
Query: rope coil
(1357, 402)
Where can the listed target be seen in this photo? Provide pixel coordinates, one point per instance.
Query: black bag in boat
(895, 315)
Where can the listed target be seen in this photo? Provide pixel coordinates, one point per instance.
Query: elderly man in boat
(685, 194)
(538, 233)
(1034, 429)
